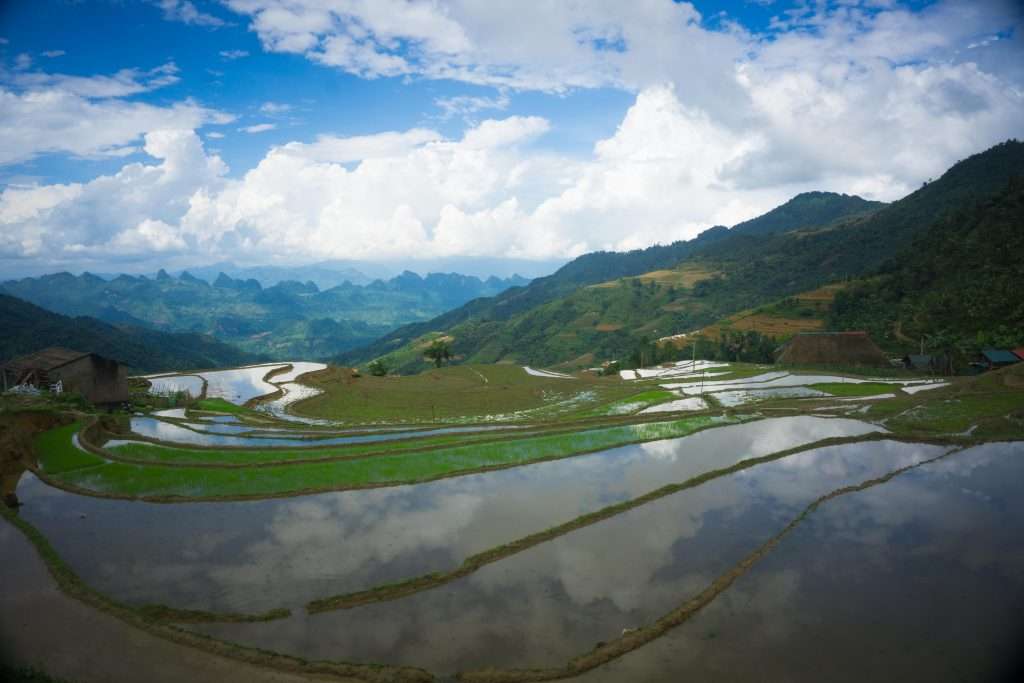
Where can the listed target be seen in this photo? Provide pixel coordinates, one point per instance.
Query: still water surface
(555, 601)
(257, 555)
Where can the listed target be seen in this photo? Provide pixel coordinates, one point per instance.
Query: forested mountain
(27, 328)
(685, 286)
(956, 286)
(288, 320)
(804, 210)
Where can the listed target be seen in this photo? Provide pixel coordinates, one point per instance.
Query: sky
(140, 134)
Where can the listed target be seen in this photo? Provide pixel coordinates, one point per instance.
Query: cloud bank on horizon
(725, 120)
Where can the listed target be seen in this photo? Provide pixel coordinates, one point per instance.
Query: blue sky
(144, 134)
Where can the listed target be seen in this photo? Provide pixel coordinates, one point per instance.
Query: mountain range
(28, 328)
(288, 320)
(941, 265)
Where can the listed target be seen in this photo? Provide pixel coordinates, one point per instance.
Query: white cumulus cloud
(724, 125)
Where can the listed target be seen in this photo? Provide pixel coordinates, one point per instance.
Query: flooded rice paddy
(879, 559)
(176, 434)
(253, 556)
(921, 578)
(237, 385)
(553, 602)
(191, 384)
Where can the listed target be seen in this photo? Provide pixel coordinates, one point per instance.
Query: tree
(439, 352)
(378, 367)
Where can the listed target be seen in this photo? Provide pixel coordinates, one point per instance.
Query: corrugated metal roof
(1000, 356)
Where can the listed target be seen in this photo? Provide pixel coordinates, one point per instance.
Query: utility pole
(701, 368)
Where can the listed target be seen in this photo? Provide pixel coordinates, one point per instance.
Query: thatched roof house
(832, 348)
(97, 379)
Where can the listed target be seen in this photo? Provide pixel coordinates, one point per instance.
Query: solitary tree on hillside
(439, 352)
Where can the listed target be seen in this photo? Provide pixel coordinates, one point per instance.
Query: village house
(98, 379)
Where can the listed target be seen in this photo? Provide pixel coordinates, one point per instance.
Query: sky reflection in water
(262, 554)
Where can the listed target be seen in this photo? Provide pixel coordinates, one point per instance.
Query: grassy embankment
(852, 390)
(219, 405)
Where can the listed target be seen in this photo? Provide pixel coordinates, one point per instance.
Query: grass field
(456, 393)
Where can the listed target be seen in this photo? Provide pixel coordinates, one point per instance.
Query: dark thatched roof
(832, 348)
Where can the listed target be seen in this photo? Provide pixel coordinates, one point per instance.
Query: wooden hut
(98, 379)
(832, 348)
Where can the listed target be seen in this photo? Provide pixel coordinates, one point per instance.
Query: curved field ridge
(150, 619)
(103, 477)
(635, 638)
(402, 589)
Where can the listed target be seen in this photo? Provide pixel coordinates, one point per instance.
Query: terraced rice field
(589, 529)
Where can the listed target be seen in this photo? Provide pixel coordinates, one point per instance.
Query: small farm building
(832, 348)
(997, 358)
(98, 379)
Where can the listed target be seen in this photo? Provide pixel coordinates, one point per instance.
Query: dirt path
(41, 627)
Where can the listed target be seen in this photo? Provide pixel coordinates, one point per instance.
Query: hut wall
(97, 379)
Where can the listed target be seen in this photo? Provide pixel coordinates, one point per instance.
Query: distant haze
(327, 274)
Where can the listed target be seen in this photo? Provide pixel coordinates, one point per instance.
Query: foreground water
(253, 556)
(919, 579)
(555, 601)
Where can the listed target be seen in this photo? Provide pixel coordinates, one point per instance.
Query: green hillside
(558, 318)
(289, 320)
(957, 286)
(763, 261)
(29, 328)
